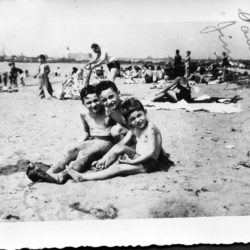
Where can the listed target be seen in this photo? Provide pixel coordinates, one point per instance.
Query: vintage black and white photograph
(116, 110)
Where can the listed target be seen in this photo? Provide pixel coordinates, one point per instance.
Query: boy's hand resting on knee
(125, 159)
(99, 165)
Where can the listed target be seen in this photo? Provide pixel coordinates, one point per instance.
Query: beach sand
(206, 148)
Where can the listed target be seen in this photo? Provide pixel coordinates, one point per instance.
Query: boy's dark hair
(90, 89)
(42, 57)
(177, 52)
(94, 46)
(131, 105)
(105, 85)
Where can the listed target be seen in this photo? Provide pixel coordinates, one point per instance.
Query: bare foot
(61, 177)
(77, 177)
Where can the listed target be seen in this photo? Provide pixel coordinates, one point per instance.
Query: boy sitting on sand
(109, 96)
(142, 159)
(97, 141)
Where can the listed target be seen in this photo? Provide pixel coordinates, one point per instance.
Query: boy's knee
(81, 164)
(114, 131)
(72, 151)
(118, 130)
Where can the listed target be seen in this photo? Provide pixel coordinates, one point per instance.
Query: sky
(126, 28)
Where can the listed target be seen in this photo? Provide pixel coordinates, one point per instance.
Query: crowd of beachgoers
(220, 70)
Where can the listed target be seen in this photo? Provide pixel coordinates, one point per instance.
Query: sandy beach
(205, 147)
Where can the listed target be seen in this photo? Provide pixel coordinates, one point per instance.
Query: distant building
(148, 59)
(79, 56)
(22, 58)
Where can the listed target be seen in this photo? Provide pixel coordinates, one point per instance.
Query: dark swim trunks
(148, 79)
(113, 65)
(184, 94)
(150, 165)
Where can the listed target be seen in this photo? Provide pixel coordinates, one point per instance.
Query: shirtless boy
(142, 159)
(110, 97)
(97, 140)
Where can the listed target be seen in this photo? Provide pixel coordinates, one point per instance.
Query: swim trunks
(114, 65)
(150, 165)
(184, 94)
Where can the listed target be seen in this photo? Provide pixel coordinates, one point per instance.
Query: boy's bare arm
(99, 63)
(85, 127)
(92, 61)
(102, 162)
(100, 60)
(151, 145)
(127, 138)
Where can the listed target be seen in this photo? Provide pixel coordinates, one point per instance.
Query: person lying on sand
(142, 159)
(168, 94)
(97, 140)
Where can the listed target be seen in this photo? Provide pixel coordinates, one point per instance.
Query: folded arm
(151, 145)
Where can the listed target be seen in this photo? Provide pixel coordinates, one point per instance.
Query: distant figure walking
(187, 64)
(43, 75)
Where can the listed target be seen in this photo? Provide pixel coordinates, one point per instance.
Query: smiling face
(138, 119)
(92, 103)
(110, 99)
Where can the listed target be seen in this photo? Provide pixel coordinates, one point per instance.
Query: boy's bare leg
(118, 129)
(171, 95)
(94, 151)
(61, 165)
(158, 97)
(118, 132)
(79, 158)
(114, 170)
(116, 151)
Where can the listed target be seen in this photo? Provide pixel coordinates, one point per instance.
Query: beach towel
(192, 107)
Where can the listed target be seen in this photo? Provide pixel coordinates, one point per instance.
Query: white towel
(191, 107)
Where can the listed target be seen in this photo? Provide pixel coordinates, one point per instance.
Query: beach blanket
(192, 107)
